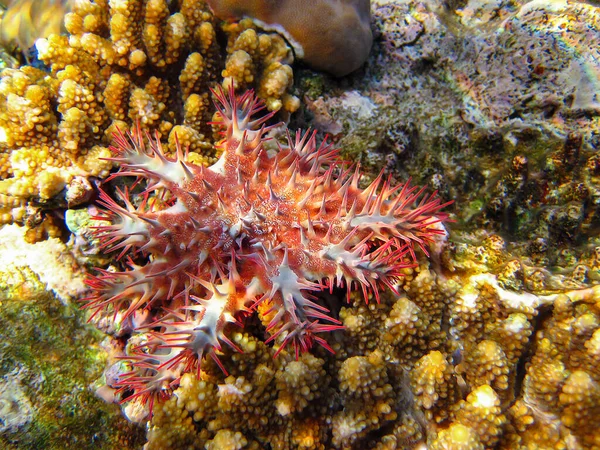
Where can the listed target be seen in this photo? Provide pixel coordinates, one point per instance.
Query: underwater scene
(300, 224)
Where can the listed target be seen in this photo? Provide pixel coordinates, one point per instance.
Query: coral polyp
(260, 230)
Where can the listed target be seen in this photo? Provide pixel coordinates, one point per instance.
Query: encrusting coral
(123, 62)
(253, 232)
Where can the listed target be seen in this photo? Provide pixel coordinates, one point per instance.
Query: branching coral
(45, 147)
(562, 385)
(496, 386)
(261, 59)
(368, 399)
(252, 232)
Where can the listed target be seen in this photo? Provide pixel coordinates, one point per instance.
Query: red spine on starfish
(257, 229)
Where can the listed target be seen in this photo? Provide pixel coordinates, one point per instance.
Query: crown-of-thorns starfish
(258, 230)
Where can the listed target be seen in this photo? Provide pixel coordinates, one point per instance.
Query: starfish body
(257, 230)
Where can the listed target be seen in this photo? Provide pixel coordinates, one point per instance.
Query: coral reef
(262, 59)
(493, 342)
(122, 63)
(253, 232)
(482, 348)
(333, 36)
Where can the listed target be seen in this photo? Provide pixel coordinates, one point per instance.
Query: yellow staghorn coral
(530, 430)
(482, 413)
(173, 428)
(227, 440)
(122, 62)
(512, 334)
(561, 385)
(580, 400)
(487, 364)
(40, 153)
(296, 390)
(368, 398)
(457, 437)
(407, 325)
(45, 148)
(257, 400)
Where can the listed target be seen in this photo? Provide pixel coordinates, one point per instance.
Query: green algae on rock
(49, 357)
